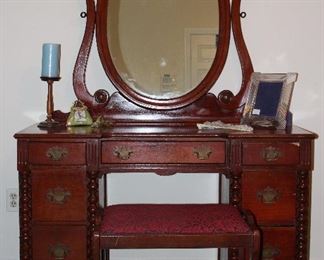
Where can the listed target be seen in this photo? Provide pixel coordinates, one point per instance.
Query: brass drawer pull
(59, 251)
(123, 152)
(271, 154)
(58, 195)
(202, 153)
(56, 153)
(270, 252)
(268, 195)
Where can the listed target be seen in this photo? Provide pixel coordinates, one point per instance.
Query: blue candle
(51, 60)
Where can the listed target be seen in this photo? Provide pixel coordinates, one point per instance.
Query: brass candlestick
(49, 122)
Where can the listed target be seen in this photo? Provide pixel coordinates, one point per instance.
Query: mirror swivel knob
(83, 14)
(243, 14)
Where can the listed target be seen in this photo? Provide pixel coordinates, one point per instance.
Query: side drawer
(163, 152)
(278, 243)
(59, 194)
(268, 153)
(270, 195)
(57, 153)
(59, 242)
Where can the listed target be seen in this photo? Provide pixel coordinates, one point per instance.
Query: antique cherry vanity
(153, 129)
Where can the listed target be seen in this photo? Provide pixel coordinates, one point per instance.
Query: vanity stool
(129, 226)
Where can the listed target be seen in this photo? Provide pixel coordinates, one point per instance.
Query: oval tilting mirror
(169, 55)
(163, 54)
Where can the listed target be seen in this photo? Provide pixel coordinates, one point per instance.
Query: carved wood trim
(306, 150)
(93, 195)
(302, 215)
(233, 254)
(25, 215)
(92, 155)
(101, 97)
(22, 155)
(236, 154)
(93, 204)
(155, 103)
(236, 188)
(227, 105)
(25, 209)
(236, 173)
(226, 98)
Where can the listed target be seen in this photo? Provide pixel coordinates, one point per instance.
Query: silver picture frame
(268, 99)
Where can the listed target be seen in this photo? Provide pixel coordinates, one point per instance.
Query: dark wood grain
(47, 237)
(278, 210)
(284, 153)
(278, 243)
(72, 181)
(164, 150)
(68, 153)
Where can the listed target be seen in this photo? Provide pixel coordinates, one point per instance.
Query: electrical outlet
(12, 200)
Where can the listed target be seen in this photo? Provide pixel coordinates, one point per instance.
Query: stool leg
(256, 254)
(96, 246)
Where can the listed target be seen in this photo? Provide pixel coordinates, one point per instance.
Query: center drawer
(163, 152)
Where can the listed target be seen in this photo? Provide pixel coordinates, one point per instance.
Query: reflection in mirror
(171, 54)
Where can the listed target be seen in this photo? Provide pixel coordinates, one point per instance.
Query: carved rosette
(25, 209)
(302, 215)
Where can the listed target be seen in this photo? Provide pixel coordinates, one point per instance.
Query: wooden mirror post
(126, 106)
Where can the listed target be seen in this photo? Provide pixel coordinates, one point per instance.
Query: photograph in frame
(268, 99)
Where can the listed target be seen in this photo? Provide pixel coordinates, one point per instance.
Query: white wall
(282, 35)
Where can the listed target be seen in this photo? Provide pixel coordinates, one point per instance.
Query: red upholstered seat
(130, 219)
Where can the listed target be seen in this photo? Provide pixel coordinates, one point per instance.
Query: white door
(200, 46)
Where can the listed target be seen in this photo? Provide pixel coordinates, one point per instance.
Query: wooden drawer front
(163, 152)
(270, 153)
(59, 194)
(270, 196)
(278, 243)
(57, 153)
(59, 242)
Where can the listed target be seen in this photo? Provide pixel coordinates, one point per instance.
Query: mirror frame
(100, 102)
(156, 103)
